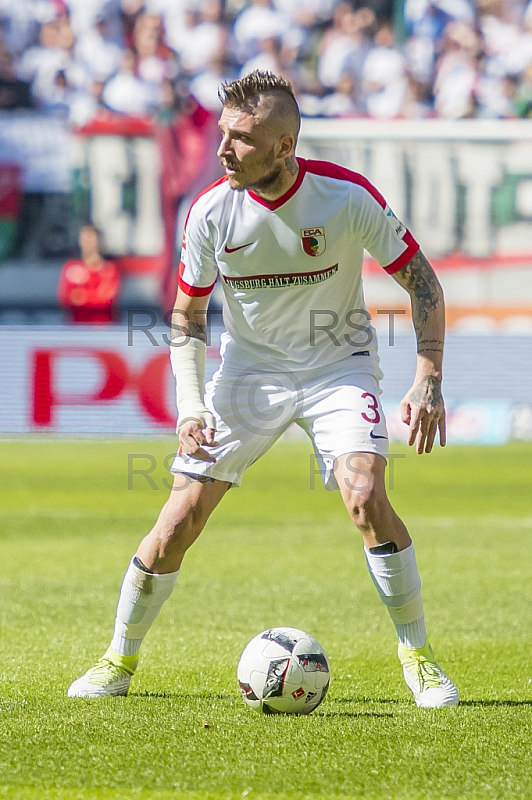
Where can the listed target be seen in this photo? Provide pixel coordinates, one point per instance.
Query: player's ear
(286, 146)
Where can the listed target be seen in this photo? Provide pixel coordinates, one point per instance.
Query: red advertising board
(87, 381)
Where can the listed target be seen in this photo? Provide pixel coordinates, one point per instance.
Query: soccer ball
(283, 671)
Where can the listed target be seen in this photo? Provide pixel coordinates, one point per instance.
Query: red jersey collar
(273, 205)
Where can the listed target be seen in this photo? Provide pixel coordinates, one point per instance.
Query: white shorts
(337, 406)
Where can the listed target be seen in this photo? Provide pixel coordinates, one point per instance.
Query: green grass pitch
(276, 552)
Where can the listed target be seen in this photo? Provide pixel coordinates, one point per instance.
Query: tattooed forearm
(196, 330)
(430, 346)
(185, 326)
(420, 281)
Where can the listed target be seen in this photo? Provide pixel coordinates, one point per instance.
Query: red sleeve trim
(191, 291)
(405, 257)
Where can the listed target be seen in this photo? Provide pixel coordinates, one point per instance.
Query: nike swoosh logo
(374, 436)
(234, 249)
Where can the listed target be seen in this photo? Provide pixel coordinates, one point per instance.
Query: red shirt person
(89, 285)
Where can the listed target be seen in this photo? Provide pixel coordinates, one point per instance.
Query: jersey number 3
(372, 414)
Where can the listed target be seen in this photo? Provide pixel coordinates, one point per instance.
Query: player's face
(249, 151)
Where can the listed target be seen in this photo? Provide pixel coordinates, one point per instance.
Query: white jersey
(291, 269)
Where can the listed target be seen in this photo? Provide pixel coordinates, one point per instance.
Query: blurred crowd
(382, 59)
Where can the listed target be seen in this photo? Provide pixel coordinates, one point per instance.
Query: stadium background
(456, 168)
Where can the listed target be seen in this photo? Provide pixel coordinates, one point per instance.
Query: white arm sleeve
(188, 356)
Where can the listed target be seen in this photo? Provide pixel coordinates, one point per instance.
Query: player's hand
(423, 410)
(193, 439)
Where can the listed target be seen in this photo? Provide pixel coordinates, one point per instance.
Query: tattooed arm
(189, 316)
(196, 426)
(422, 408)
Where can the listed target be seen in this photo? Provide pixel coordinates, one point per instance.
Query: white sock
(141, 598)
(397, 580)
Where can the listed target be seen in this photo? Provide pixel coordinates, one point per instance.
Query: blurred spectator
(260, 21)
(500, 31)
(456, 79)
(88, 286)
(364, 22)
(21, 21)
(126, 93)
(385, 82)
(44, 57)
(426, 22)
(152, 55)
(56, 76)
(520, 56)
(345, 45)
(97, 51)
(201, 39)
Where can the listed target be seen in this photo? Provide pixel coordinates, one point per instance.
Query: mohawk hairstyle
(244, 91)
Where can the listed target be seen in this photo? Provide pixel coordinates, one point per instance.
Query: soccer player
(286, 238)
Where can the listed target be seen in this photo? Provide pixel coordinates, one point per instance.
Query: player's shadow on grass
(230, 699)
(387, 700)
(180, 696)
(496, 703)
(355, 714)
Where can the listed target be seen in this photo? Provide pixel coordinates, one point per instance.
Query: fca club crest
(313, 241)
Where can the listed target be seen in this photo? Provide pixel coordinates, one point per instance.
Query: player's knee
(365, 505)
